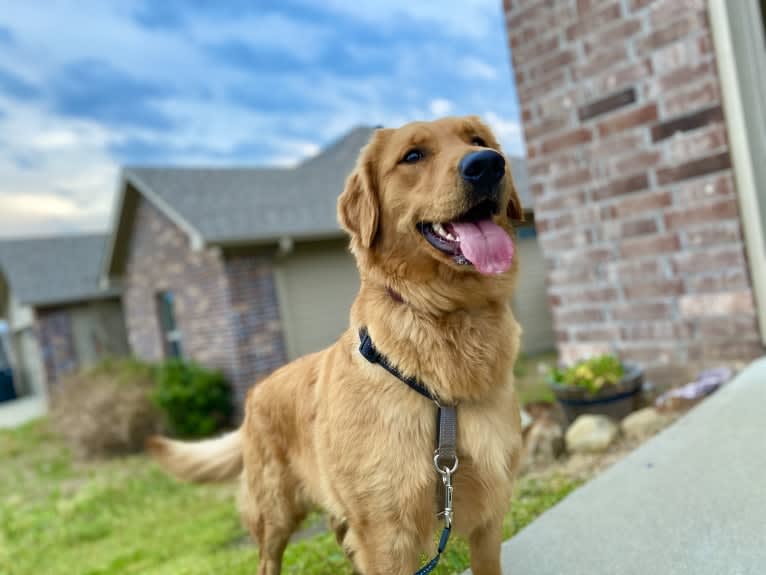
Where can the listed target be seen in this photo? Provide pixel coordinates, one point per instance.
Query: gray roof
(227, 205)
(54, 270)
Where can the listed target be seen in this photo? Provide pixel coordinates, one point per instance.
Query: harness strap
(371, 354)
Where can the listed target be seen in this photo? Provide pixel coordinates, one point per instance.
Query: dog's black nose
(482, 171)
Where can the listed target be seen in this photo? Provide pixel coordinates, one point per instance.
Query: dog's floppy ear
(358, 205)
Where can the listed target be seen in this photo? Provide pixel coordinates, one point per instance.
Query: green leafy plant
(196, 401)
(591, 374)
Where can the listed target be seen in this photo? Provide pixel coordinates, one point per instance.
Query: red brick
(592, 214)
(671, 32)
(579, 315)
(544, 224)
(566, 140)
(655, 330)
(545, 126)
(588, 295)
(628, 228)
(553, 63)
(665, 11)
(576, 273)
(682, 77)
(612, 80)
(716, 233)
(743, 327)
(653, 289)
(687, 122)
(684, 148)
(530, 90)
(728, 303)
(649, 354)
(599, 61)
(633, 269)
(639, 161)
(636, 5)
(588, 256)
(694, 168)
(537, 48)
(564, 240)
(731, 350)
(593, 20)
(643, 246)
(625, 143)
(642, 311)
(621, 187)
(701, 214)
(620, 33)
(643, 202)
(630, 119)
(560, 201)
(701, 262)
(606, 104)
(693, 98)
(571, 179)
(595, 333)
(719, 281)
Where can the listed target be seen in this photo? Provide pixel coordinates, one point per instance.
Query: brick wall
(226, 310)
(629, 165)
(53, 329)
(259, 341)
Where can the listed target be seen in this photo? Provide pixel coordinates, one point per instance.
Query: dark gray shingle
(54, 270)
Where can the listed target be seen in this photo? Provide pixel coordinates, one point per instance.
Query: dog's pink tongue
(485, 244)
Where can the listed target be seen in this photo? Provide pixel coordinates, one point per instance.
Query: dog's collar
(371, 354)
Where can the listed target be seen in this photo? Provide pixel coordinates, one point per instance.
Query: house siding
(629, 167)
(226, 309)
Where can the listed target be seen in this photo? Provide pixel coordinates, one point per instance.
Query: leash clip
(448, 513)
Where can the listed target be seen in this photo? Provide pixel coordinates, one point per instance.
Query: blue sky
(87, 86)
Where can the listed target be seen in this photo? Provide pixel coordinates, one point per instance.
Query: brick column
(629, 165)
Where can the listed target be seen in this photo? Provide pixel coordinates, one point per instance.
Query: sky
(88, 86)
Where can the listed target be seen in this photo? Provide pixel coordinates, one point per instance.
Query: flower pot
(616, 401)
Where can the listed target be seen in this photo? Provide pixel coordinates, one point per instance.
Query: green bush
(591, 374)
(196, 401)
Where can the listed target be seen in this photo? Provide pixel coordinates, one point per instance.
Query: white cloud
(471, 67)
(440, 107)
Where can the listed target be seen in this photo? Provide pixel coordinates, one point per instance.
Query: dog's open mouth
(473, 239)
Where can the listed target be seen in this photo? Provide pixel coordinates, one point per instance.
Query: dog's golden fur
(334, 430)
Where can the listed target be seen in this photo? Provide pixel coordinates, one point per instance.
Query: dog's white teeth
(439, 229)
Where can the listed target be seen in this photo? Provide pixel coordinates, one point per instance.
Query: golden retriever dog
(429, 208)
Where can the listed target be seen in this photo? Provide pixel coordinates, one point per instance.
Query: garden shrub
(196, 401)
(107, 409)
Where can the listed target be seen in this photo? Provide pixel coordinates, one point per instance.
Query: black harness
(445, 455)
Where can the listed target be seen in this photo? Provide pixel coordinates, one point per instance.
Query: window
(171, 336)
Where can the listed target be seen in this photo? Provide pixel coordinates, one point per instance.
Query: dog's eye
(412, 156)
(477, 141)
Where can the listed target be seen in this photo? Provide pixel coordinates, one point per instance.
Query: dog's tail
(202, 461)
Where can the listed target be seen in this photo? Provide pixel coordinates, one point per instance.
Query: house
(243, 269)
(644, 124)
(59, 318)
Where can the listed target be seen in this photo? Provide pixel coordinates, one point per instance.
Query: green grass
(62, 517)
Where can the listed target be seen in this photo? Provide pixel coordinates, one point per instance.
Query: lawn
(63, 517)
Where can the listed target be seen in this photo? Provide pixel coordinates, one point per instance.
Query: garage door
(316, 283)
(530, 304)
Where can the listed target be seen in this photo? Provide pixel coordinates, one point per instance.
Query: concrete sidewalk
(19, 411)
(690, 501)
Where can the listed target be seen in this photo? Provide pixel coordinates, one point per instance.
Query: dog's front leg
(383, 549)
(485, 548)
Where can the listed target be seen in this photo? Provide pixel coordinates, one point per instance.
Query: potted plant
(601, 385)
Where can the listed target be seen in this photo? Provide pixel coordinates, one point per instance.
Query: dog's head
(432, 201)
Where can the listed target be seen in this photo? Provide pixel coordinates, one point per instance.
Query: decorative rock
(526, 420)
(643, 423)
(591, 434)
(544, 442)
